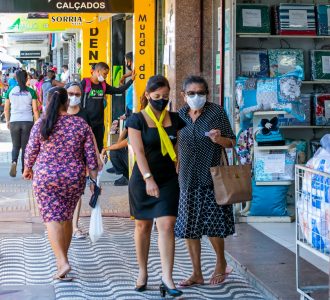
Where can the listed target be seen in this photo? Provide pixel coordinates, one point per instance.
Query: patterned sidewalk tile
(108, 269)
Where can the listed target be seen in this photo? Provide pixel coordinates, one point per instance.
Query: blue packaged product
(252, 63)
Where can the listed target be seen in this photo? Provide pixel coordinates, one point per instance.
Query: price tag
(327, 109)
(274, 163)
(298, 18)
(251, 17)
(250, 63)
(325, 64)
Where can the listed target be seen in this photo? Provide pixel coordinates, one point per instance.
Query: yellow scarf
(165, 141)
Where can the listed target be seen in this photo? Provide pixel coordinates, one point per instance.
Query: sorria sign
(64, 6)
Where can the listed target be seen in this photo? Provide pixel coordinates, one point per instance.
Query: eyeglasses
(74, 94)
(199, 93)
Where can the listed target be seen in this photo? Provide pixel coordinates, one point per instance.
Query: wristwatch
(147, 176)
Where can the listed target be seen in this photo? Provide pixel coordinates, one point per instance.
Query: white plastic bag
(96, 223)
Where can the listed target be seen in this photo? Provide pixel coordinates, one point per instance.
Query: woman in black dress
(153, 186)
(207, 131)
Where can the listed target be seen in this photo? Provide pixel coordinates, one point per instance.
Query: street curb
(251, 278)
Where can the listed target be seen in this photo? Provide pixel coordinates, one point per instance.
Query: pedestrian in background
(59, 148)
(95, 88)
(129, 91)
(48, 82)
(20, 109)
(200, 144)
(79, 65)
(153, 186)
(65, 76)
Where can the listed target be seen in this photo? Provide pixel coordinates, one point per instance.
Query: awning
(8, 61)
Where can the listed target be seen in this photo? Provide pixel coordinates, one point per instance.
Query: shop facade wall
(188, 33)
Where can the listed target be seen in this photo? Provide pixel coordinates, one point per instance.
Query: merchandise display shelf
(271, 36)
(287, 182)
(269, 113)
(265, 219)
(316, 82)
(305, 127)
(267, 148)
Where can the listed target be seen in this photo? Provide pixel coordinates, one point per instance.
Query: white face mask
(196, 102)
(100, 78)
(74, 100)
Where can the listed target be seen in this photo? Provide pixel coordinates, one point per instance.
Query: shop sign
(35, 53)
(63, 6)
(144, 60)
(20, 23)
(95, 44)
(70, 21)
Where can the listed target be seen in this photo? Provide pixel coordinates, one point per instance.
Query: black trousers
(99, 135)
(119, 160)
(20, 133)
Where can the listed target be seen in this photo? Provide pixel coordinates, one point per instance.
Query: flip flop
(62, 278)
(224, 276)
(188, 283)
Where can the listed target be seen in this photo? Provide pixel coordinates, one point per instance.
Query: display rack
(234, 41)
(273, 36)
(305, 233)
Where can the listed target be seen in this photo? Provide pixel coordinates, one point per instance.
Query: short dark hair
(101, 66)
(79, 60)
(73, 83)
(195, 79)
(129, 56)
(65, 67)
(51, 74)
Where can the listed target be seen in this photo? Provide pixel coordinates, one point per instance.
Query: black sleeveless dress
(142, 206)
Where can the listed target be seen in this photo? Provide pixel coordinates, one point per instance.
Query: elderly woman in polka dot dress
(207, 131)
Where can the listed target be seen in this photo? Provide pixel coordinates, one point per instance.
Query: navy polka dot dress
(199, 214)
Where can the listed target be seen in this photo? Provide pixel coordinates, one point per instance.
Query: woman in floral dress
(58, 148)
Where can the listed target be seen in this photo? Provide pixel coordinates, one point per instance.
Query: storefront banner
(95, 45)
(64, 6)
(70, 21)
(144, 48)
(21, 24)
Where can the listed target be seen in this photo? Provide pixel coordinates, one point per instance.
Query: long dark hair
(153, 84)
(57, 97)
(21, 77)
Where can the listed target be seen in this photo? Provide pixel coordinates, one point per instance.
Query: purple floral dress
(59, 173)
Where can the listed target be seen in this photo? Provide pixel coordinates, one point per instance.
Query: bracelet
(147, 176)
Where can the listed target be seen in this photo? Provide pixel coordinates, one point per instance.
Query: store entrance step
(27, 292)
(270, 267)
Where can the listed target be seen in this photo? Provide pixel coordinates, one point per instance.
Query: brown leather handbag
(232, 184)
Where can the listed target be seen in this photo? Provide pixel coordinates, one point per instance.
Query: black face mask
(129, 67)
(159, 105)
